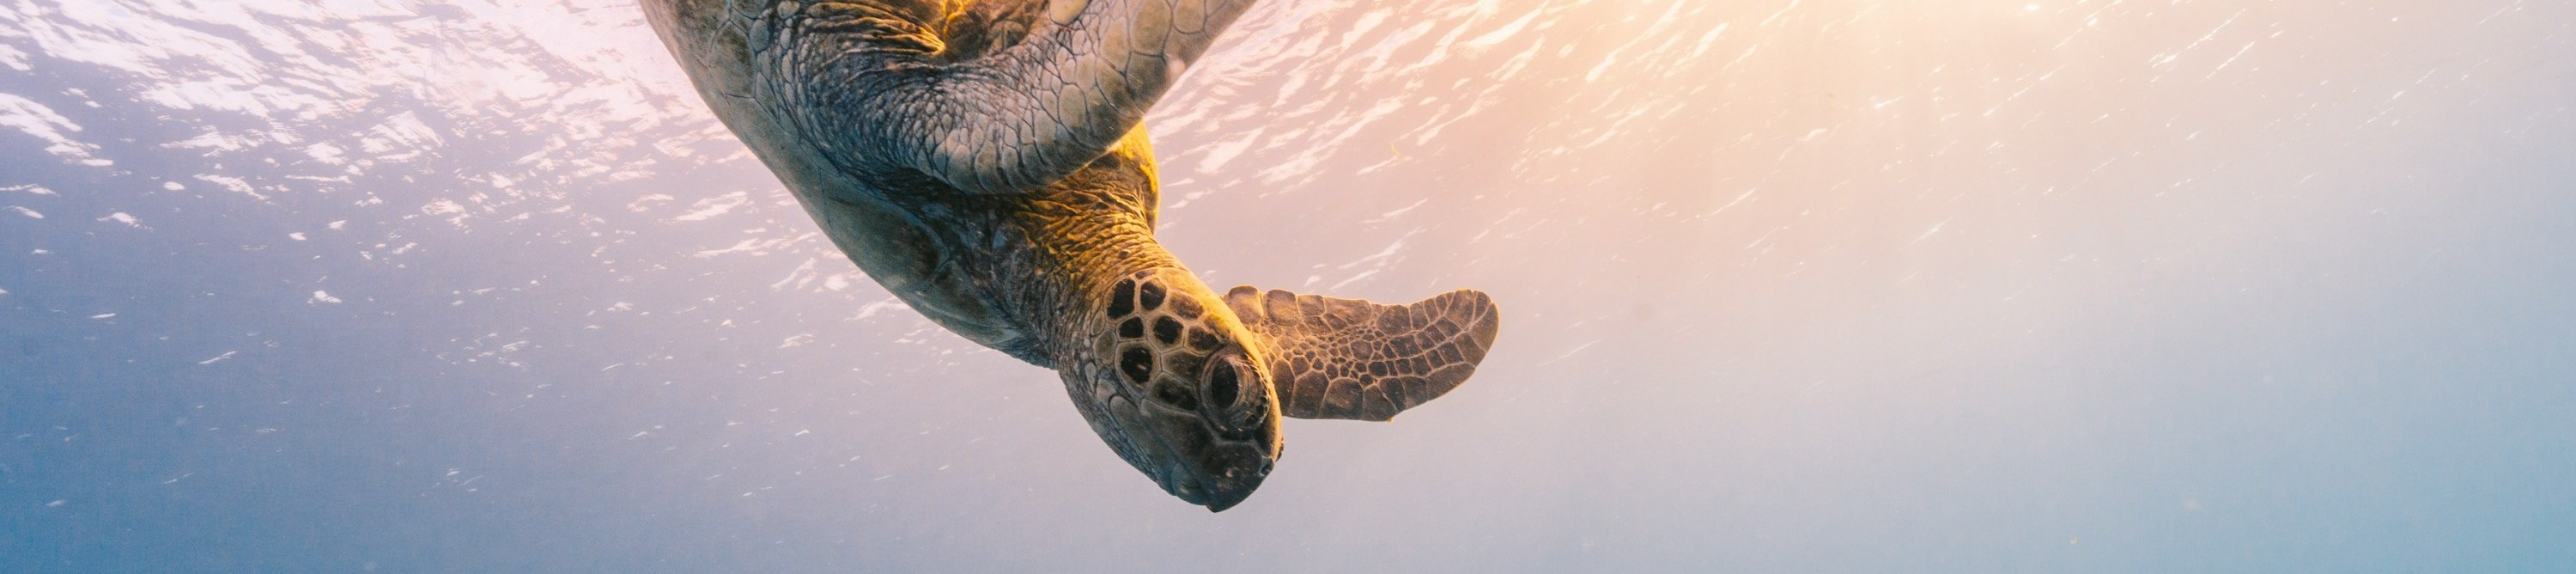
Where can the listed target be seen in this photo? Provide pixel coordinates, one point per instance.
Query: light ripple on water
(543, 176)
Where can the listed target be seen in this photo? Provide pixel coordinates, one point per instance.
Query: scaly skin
(1017, 241)
(983, 160)
(1052, 267)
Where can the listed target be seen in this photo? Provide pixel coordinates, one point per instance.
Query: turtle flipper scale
(1334, 358)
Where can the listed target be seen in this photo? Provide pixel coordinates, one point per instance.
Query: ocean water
(1788, 286)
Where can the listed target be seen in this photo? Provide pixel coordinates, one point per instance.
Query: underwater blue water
(1788, 285)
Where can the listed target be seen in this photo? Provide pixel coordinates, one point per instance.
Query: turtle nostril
(1222, 384)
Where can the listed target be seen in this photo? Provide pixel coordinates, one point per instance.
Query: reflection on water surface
(1794, 285)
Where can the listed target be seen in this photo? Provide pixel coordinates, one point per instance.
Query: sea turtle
(983, 160)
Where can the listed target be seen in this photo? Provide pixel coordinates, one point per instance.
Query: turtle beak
(1241, 476)
(1204, 459)
(1220, 478)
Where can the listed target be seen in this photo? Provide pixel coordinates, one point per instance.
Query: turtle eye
(1223, 384)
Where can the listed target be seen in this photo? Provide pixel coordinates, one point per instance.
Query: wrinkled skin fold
(983, 160)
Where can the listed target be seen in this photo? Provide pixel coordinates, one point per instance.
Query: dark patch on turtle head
(1122, 300)
(1137, 363)
(1150, 295)
(1180, 397)
(1176, 389)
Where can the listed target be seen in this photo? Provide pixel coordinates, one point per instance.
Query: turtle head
(1178, 387)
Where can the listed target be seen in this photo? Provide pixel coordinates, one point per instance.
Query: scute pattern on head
(1184, 344)
(1183, 397)
(984, 161)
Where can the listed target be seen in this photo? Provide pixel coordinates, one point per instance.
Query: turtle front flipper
(991, 119)
(1334, 358)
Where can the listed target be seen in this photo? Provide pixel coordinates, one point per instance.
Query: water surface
(1789, 285)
